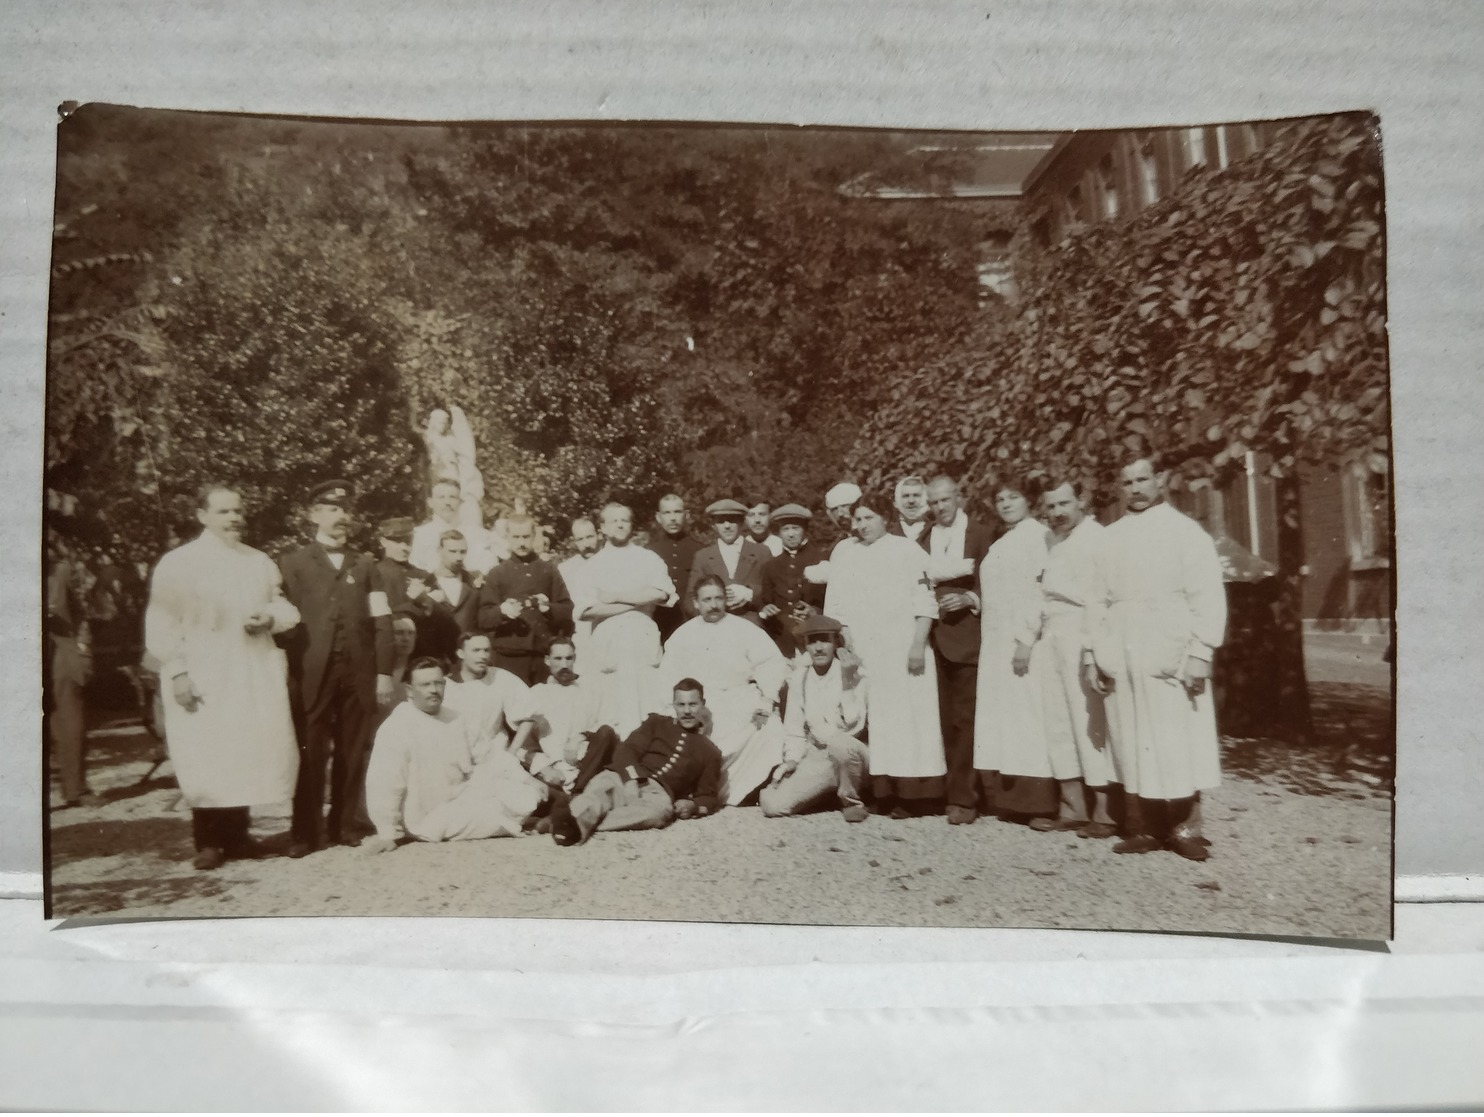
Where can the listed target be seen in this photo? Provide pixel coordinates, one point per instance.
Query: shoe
(210, 858)
(302, 849)
(1139, 843)
(900, 813)
(1056, 825)
(564, 828)
(961, 816)
(1192, 849)
(542, 825)
(1097, 830)
(856, 812)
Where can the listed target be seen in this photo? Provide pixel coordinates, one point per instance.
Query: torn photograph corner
(720, 522)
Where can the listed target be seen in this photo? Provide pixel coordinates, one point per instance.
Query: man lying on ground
(666, 769)
(422, 781)
(823, 755)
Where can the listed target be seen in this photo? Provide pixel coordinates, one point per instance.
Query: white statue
(450, 443)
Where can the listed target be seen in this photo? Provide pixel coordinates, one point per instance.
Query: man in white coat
(743, 672)
(1161, 614)
(618, 592)
(215, 605)
(485, 547)
(1075, 723)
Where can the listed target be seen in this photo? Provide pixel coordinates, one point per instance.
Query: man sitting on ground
(490, 697)
(562, 742)
(422, 781)
(822, 753)
(666, 769)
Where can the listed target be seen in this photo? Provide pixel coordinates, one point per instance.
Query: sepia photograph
(723, 522)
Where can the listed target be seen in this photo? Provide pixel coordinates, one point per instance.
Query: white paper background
(931, 1017)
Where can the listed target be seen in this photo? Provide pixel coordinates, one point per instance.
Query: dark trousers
(957, 685)
(68, 720)
(223, 828)
(600, 746)
(528, 667)
(337, 729)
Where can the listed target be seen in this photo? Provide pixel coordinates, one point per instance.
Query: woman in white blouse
(885, 602)
(1010, 751)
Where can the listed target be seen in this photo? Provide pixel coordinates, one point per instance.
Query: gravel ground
(1300, 848)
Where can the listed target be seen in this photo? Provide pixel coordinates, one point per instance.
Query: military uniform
(519, 643)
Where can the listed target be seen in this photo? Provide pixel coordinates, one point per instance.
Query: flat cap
(395, 527)
(817, 624)
(790, 512)
(332, 492)
(845, 492)
(723, 509)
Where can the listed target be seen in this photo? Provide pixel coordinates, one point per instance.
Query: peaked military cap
(398, 528)
(796, 513)
(332, 492)
(723, 509)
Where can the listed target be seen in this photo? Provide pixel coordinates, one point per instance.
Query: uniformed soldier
(340, 663)
(523, 605)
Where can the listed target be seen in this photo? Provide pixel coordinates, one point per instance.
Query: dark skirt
(1019, 795)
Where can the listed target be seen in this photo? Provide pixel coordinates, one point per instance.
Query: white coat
(237, 748)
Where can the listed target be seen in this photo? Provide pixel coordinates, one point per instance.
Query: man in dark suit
(340, 661)
(524, 605)
(678, 548)
(737, 561)
(453, 600)
(788, 599)
(956, 546)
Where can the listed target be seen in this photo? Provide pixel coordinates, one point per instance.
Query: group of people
(1052, 672)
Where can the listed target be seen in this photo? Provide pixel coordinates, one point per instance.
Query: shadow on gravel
(1352, 754)
(120, 895)
(166, 838)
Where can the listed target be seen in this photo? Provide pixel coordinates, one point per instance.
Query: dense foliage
(1246, 310)
(619, 311)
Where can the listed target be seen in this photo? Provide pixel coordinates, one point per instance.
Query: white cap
(843, 493)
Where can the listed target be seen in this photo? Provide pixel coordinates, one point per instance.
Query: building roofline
(1043, 165)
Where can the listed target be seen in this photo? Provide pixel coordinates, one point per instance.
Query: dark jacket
(685, 764)
(438, 633)
(784, 586)
(956, 635)
(334, 613)
(522, 579)
(679, 555)
(391, 578)
(750, 565)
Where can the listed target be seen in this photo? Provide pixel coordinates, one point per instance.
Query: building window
(1193, 146)
(1073, 206)
(1107, 182)
(1147, 163)
(1367, 507)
